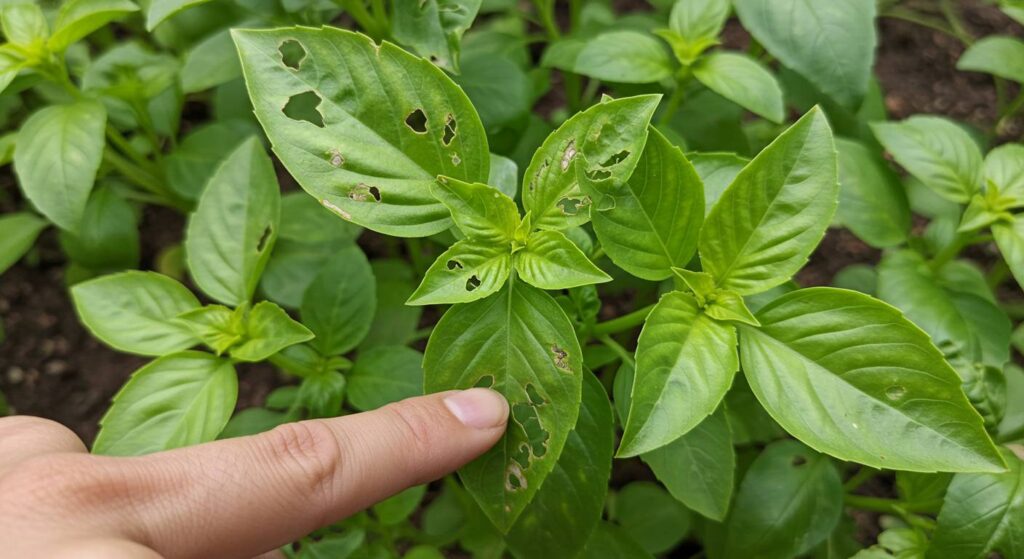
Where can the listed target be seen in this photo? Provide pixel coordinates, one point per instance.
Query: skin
(241, 497)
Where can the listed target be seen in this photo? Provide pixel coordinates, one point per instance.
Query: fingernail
(479, 408)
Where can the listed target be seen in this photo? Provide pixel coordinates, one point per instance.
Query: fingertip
(478, 408)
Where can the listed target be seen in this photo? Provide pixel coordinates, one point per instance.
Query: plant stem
(863, 474)
(998, 274)
(415, 249)
(949, 11)
(546, 14)
(142, 178)
(122, 143)
(620, 351)
(912, 17)
(674, 100)
(951, 251)
(359, 13)
(622, 323)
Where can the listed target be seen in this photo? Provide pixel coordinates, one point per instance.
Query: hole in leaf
(515, 480)
(598, 174)
(536, 436)
(264, 238)
(568, 155)
(616, 158)
(304, 107)
(572, 206)
(536, 177)
(472, 283)
(449, 130)
(485, 381)
(456, 159)
(799, 460)
(561, 357)
(417, 121)
(895, 392)
(335, 158)
(292, 54)
(364, 193)
(535, 397)
(454, 265)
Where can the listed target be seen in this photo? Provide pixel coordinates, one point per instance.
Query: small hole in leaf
(485, 381)
(335, 158)
(454, 265)
(561, 357)
(568, 155)
(417, 121)
(571, 206)
(799, 460)
(515, 480)
(535, 397)
(303, 107)
(537, 437)
(456, 159)
(598, 174)
(472, 283)
(264, 238)
(364, 193)
(449, 130)
(616, 158)
(292, 54)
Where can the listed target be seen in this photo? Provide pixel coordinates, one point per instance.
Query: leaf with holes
(521, 344)
(849, 376)
(775, 212)
(178, 400)
(364, 128)
(602, 144)
(466, 272)
(232, 232)
(433, 28)
(655, 223)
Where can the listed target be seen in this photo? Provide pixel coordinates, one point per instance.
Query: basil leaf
(504, 175)
(743, 81)
(108, 239)
(775, 212)
(79, 18)
(1004, 167)
(610, 135)
(18, 232)
(466, 272)
(59, 152)
(214, 325)
(210, 63)
(624, 57)
(433, 28)
(552, 261)
(370, 150)
(521, 343)
(789, 501)
(650, 516)
(232, 231)
(268, 330)
(982, 516)
(872, 201)
(563, 514)
(936, 151)
(397, 508)
(160, 10)
(305, 221)
(293, 266)
(849, 375)
(197, 157)
(500, 89)
(999, 56)
(685, 364)
(1010, 240)
(338, 306)
(717, 171)
(383, 375)
(394, 322)
(481, 212)
(697, 25)
(178, 400)
(134, 311)
(611, 542)
(656, 221)
(832, 44)
(24, 25)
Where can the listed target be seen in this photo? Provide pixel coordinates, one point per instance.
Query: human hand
(232, 498)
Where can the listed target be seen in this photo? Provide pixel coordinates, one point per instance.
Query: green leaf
(521, 343)
(650, 516)
(504, 175)
(305, 221)
(983, 515)
(160, 10)
(656, 221)
(18, 232)
(789, 501)
(936, 151)
(24, 25)
(210, 63)
(832, 44)
(370, 145)
(849, 376)
(394, 322)
(605, 140)
(335, 546)
(59, 152)
(1011, 428)
(481, 212)
(395, 509)
(433, 28)
(552, 261)
(697, 25)
(563, 514)
(294, 265)
(611, 542)
(717, 171)
(624, 57)
(338, 306)
(1004, 167)
(999, 56)
(685, 364)
(134, 312)
(79, 18)
(500, 89)
(268, 330)
(197, 157)
(252, 421)
(775, 212)
(232, 231)
(1010, 240)
(872, 201)
(742, 80)
(466, 272)
(178, 400)
(214, 325)
(108, 239)
(383, 375)
(698, 468)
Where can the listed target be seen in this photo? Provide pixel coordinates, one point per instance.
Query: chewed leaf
(363, 128)
(523, 345)
(465, 272)
(599, 147)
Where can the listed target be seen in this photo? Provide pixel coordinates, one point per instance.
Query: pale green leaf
(504, 175)
(1004, 167)
(466, 272)
(213, 325)
(872, 201)
(338, 306)
(18, 232)
(160, 10)
(849, 376)
(383, 375)
(481, 212)
(697, 24)
(433, 28)
(212, 62)
(717, 171)
(24, 25)
(552, 261)
(178, 400)
(78, 18)
(268, 330)
(134, 312)
(624, 56)
(999, 56)
(743, 81)
(1010, 239)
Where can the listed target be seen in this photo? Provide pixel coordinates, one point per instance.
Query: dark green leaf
(383, 375)
(433, 28)
(872, 202)
(338, 306)
(650, 516)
